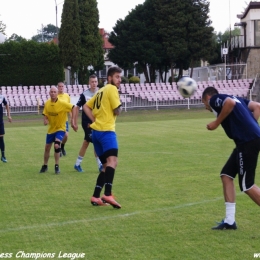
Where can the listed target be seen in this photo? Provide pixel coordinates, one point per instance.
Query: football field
(167, 182)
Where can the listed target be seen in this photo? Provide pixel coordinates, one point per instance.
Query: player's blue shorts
(50, 138)
(67, 126)
(104, 141)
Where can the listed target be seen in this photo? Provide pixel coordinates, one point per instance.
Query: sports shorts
(104, 141)
(50, 138)
(2, 129)
(87, 131)
(243, 161)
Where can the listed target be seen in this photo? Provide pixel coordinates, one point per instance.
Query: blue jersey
(240, 125)
(2, 102)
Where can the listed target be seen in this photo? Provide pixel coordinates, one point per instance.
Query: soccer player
(238, 118)
(3, 101)
(65, 97)
(85, 122)
(55, 114)
(103, 109)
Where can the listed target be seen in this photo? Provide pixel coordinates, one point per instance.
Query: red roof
(106, 44)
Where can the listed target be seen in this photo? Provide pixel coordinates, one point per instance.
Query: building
(245, 48)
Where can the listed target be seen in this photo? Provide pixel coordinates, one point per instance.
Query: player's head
(93, 82)
(206, 95)
(53, 93)
(114, 76)
(60, 88)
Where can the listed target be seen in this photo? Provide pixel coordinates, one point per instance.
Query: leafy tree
(30, 63)
(219, 40)
(69, 36)
(184, 27)
(46, 34)
(91, 50)
(16, 38)
(2, 28)
(136, 42)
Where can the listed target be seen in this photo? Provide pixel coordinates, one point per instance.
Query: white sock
(230, 213)
(79, 160)
(98, 161)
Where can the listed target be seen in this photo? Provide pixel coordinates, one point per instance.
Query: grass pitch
(167, 182)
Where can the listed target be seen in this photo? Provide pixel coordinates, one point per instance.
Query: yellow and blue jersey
(103, 104)
(57, 113)
(64, 97)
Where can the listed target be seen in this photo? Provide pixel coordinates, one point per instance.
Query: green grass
(167, 182)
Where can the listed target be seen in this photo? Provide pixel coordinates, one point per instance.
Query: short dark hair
(112, 70)
(93, 76)
(211, 91)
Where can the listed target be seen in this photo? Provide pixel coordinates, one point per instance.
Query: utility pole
(56, 9)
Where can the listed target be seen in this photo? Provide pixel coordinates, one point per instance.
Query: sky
(26, 17)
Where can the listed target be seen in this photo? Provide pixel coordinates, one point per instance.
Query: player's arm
(45, 120)
(118, 110)
(88, 111)
(8, 113)
(227, 108)
(254, 107)
(73, 121)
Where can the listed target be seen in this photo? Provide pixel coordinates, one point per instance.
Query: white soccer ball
(187, 86)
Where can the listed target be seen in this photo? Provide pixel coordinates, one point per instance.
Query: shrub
(124, 80)
(134, 79)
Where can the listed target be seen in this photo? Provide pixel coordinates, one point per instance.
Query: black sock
(2, 146)
(109, 176)
(62, 146)
(99, 184)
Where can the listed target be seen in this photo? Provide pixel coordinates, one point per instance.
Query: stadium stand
(31, 98)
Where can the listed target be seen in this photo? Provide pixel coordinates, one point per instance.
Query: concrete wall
(253, 61)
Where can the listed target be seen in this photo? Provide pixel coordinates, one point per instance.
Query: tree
(16, 38)
(69, 36)
(136, 42)
(46, 34)
(91, 44)
(2, 28)
(184, 27)
(219, 40)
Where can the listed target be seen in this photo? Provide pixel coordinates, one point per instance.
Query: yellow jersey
(57, 113)
(103, 104)
(64, 97)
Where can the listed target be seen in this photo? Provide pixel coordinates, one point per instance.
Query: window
(257, 32)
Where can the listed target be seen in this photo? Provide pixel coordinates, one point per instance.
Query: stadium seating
(163, 93)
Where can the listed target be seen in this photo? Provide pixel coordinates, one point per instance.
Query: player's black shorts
(87, 131)
(243, 161)
(2, 129)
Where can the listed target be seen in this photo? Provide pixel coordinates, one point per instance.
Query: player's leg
(99, 163)
(58, 138)
(254, 194)
(95, 199)
(228, 173)
(49, 140)
(110, 148)
(64, 140)
(248, 163)
(84, 147)
(2, 143)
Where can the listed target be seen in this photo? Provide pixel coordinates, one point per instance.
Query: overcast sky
(25, 17)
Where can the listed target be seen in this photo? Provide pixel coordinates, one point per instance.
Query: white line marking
(8, 230)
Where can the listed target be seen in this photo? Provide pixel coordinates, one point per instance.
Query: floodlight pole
(56, 9)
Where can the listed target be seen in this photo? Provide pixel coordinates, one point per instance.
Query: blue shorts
(67, 126)
(104, 141)
(50, 138)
